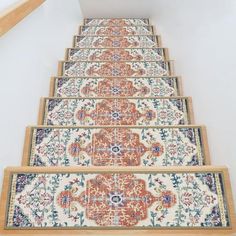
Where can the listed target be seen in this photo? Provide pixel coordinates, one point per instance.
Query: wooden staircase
(116, 150)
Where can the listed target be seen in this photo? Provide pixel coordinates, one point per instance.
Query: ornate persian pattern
(150, 200)
(116, 31)
(115, 55)
(116, 146)
(116, 87)
(115, 22)
(116, 42)
(116, 69)
(142, 112)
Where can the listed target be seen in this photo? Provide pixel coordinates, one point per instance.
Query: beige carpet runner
(116, 148)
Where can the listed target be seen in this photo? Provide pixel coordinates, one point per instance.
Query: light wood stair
(116, 150)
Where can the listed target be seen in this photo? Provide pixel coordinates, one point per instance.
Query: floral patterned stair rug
(138, 41)
(116, 22)
(115, 87)
(116, 55)
(116, 111)
(116, 146)
(115, 31)
(76, 199)
(115, 69)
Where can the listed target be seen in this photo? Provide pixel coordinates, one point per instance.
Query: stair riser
(115, 69)
(115, 31)
(116, 22)
(115, 146)
(203, 193)
(115, 87)
(116, 55)
(117, 42)
(132, 111)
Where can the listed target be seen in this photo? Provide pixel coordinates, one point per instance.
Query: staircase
(116, 150)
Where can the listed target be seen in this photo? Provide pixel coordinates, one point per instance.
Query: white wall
(28, 57)
(201, 38)
(7, 3)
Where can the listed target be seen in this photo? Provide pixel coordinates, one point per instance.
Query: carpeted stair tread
(115, 55)
(141, 41)
(104, 22)
(187, 198)
(116, 111)
(115, 31)
(115, 146)
(115, 87)
(115, 69)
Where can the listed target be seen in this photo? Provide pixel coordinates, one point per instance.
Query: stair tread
(116, 31)
(116, 146)
(116, 54)
(116, 111)
(115, 21)
(190, 191)
(141, 41)
(115, 69)
(115, 87)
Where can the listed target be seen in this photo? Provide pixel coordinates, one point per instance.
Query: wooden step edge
(61, 65)
(29, 134)
(52, 92)
(60, 70)
(159, 40)
(180, 86)
(171, 66)
(205, 144)
(226, 180)
(190, 112)
(41, 112)
(27, 146)
(166, 54)
(154, 30)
